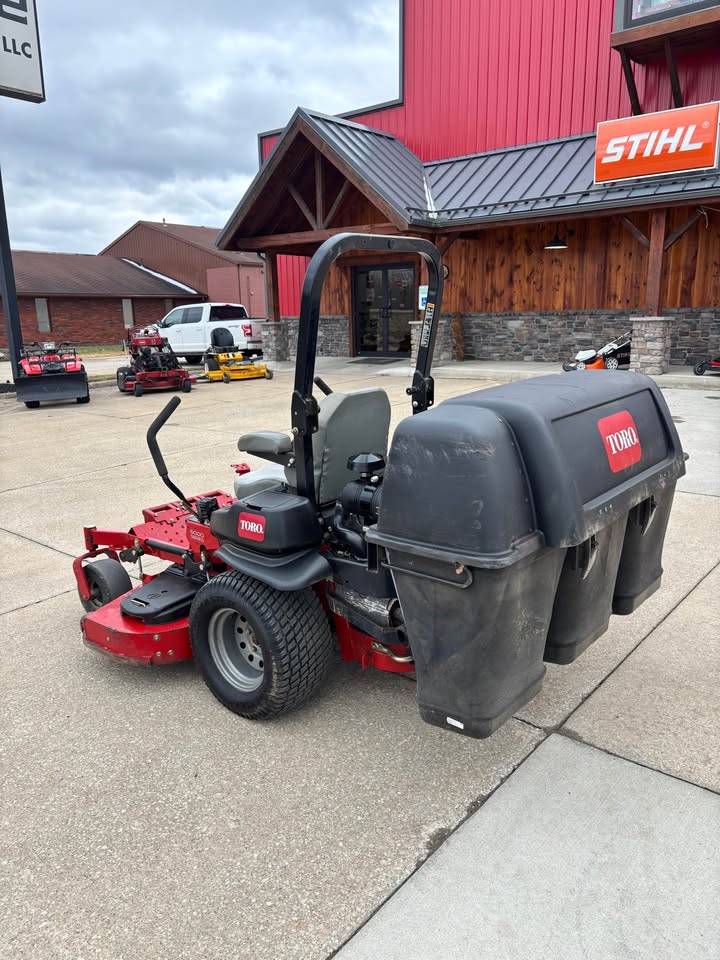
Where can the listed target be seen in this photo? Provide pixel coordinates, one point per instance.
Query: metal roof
(555, 176)
(547, 179)
(379, 158)
(86, 275)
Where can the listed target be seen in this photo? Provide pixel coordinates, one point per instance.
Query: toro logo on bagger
(621, 439)
(251, 526)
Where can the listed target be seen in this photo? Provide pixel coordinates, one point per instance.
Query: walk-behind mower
(225, 362)
(153, 365)
(501, 530)
(615, 355)
(49, 372)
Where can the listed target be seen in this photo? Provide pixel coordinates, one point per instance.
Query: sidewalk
(604, 844)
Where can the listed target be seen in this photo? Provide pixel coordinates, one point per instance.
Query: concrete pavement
(138, 818)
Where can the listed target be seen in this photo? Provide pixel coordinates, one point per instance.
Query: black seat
(222, 339)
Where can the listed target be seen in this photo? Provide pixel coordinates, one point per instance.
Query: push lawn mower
(224, 362)
(153, 365)
(51, 372)
(707, 366)
(502, 529)
(615, 355)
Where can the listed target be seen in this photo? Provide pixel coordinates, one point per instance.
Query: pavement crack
(578, 738)
(34, 603)
(39, 543)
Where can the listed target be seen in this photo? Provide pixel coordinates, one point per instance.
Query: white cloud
(154, 107)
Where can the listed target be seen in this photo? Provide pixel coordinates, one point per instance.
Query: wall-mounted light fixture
(559, 242)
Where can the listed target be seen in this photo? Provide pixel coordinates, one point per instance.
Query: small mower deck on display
(50, 372)
(500, 530)
(153, 365)
(224, 362)
(615, 355)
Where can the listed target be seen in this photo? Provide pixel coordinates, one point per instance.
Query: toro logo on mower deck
(622, 443)
(251, 526)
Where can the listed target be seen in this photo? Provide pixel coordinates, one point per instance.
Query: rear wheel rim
(611, 363)
(235, 650)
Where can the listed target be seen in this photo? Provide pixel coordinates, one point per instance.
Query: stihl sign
(655, 144)
(251, 526)
(622, 443)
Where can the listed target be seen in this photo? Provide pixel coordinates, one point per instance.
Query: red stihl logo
(251, 526)
(657, 143)
(622, 443)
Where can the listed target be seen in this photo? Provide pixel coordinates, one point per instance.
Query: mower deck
(235, 366)
(131, 640)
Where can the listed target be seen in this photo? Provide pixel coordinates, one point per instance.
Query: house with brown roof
(89, 299)
(189, 255)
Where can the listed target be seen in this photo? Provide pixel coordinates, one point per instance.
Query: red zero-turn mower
(501, 530)
(153, 365)
(48, 372)
(711, 365)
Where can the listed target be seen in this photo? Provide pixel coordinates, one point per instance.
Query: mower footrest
(165, 598)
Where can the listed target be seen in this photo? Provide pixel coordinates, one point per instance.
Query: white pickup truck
(188, 328)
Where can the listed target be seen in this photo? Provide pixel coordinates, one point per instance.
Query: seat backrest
(348, 424)
(222, 338)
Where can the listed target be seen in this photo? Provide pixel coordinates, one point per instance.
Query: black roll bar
(305, 408)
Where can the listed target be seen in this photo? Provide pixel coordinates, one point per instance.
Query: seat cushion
(265, 441)
(265, 478)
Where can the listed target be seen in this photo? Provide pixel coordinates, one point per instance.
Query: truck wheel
(32, 404)
(138, 389)
(699, 369)
(123, 374)
(193, 358)
(108, 580)
(260, 651)
(186, 386)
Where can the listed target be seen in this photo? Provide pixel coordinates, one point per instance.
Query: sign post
(21, 77)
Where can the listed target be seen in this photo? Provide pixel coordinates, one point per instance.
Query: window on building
(193, 315)
(128, 315)
(637, 12)
(43, 315)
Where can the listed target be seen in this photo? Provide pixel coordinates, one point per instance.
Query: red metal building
(490, 152)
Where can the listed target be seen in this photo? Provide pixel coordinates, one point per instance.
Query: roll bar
(304, 407)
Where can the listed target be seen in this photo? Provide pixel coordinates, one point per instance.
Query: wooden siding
(604, 268)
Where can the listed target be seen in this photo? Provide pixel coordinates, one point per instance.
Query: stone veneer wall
(280, 338)
(693, 333)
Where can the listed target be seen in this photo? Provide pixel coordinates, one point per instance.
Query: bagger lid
(456, 490)
(595, 444)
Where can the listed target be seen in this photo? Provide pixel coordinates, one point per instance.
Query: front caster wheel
(107, 580)
(138, 389)
(186, 386)
(268, 374)
(261, 651)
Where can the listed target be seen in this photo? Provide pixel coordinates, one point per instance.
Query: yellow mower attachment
(223, 361)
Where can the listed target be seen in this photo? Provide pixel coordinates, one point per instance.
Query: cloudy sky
(153, 106)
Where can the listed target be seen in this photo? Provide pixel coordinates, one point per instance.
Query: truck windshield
(228, 313)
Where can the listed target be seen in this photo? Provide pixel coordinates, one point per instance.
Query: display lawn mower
(707, 366)
(51, 372)
(153, 365)
(615, 355)
(507, 526)
(224, 362)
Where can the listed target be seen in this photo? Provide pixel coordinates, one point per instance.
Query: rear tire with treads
(261, 651)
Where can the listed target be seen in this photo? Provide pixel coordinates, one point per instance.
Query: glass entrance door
(384, 309)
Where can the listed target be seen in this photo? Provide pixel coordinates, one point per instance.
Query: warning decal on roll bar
(427, 325)
(622, 443)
